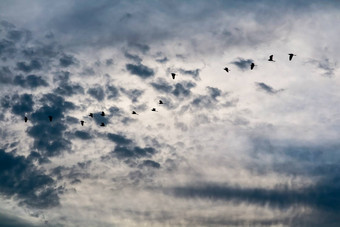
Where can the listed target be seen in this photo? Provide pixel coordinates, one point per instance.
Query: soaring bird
(153, 109)
(102, 124)
(173, 75)
(82, 123)
(291, 56)
(103, 114)
(271, 58)
(226, 69)
(91, 115)
(252, 65)
(50, 117)
(160, 102)
(26, 119)
(134, 112)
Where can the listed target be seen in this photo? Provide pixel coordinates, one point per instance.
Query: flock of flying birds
(252, 65)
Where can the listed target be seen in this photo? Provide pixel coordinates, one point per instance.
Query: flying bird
(50, 117)
(26, 119)
(252, 65)
(153, 109)
(91, 115)
(103, 114)
(173, 75)
(134, 112)
(102, 124)
(291, 56)
(82, 123)
(160, 102)
(226, 69)
(271, 58)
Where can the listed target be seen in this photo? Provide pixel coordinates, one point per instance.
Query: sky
(245, 148)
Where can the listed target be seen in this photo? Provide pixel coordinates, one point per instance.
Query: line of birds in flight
(252, 65)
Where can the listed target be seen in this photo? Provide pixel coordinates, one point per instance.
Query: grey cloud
(119, 139)
(243, 64)
(5, 74)
(135, 58)
(112, 92)
(162, 60)
(48, 136)
(141, 47)
(27, 68)
(194, 73)
(68, 89)
(140, 70)
(23, 104)
(21, 178)
(109, 62)
(150, 163)
(122, 152)
(183, 89)
(82, 135)
(267, 88)
(133, 94)
(162, 85)
(67, 60)
(31, 81)
(97, 93)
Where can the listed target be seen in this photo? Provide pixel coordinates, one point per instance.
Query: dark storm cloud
(12, 221)
(243, 63)
(140, 70)
(119, 139)
(194, 73)
(267, 88)
(96, 92)
(28, 67)
(22, 104)
(135, 58)
(22, 179)
(31, 81)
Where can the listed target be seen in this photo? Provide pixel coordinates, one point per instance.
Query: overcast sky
(246, 148)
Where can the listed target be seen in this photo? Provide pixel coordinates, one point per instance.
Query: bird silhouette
(291, 56)
(102, 124)
(160, 102)
(26, 119)
(252, 65)
(173, 75)
(134, 112)
(153, 109)
(226, 69)
(91, 115)
(271, 58)
(51, 118)
(82, 123)
(103, 114)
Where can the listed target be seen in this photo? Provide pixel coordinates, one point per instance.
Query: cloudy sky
(245, 148)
